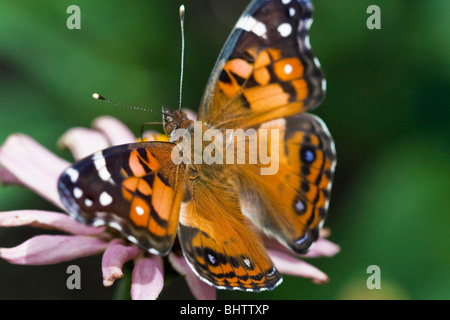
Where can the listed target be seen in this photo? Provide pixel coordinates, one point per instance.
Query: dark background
(387, 107)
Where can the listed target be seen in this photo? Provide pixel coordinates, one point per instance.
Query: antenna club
(182, 9)
(97, 96)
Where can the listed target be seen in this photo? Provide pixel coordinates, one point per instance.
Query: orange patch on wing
(156, 229)
(239, 67)
(262, 76)
(162, 202)
(135, 164)
(314, 140)
(252, 52)
(230, 89)
(301, 87)
(139, 211)
(288, 69)
(270, 102)
(266, 57)
(266, 97)
(263, 59)
(275, 54)
(144, 188)
(127, 194)
(258, 93)
(295, 141)
(129, 187)
(131, 183)
(152, 163)
(320, 158)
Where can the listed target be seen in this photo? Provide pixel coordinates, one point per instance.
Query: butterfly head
(175, 119)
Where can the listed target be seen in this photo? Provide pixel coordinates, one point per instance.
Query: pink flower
(41, 175)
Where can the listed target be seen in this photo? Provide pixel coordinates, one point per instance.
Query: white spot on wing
(97, 155)
(292, 12)
(307, 42)
(104, 174)
(77, 193)
(250, 24)
(246, 23)
(105, 199)
(100, 165)
(88, 202)
(324, 85)
(115, 225)
(260, 29)
(133, 239)
(139, 210)
(286, 1)
(73, 174)
(288, 69)
(285, 29)
(317, 62)
(98, 223)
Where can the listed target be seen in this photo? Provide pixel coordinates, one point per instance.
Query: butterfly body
(219, 193)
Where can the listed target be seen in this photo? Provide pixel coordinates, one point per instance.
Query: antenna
(182, 10)
(97, 96)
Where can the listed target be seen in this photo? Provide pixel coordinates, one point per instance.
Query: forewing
(266, 69)
(133, 188)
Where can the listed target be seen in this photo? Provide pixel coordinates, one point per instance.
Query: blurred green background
(387, 107)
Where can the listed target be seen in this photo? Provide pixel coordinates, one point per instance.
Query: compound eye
(170, 127)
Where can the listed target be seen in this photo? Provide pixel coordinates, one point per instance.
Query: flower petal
(7, 177)
(323, 248)
(83, 142)
(287, 264)
(147, 279)
(116, 254)
(114, 130)
(46, 219)
(191, 114)
(33, 165)
(200, 289)
(46, 249)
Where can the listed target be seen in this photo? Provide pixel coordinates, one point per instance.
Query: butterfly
(266, 77)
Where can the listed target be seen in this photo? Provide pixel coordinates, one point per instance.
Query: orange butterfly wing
(266, 69)
(133, 188)
(218, 241)
(291, 204)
